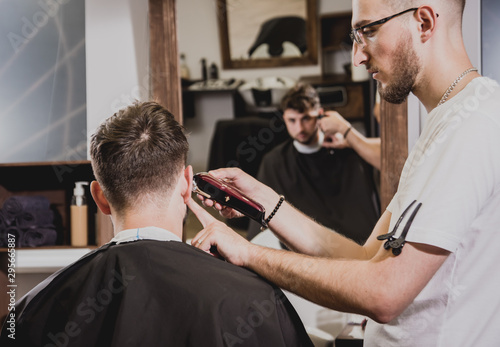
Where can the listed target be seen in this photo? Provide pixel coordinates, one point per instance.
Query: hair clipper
(226, 195)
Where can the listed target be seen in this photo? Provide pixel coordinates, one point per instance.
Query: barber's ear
(99, 198)
(188, 177)
(427, 21)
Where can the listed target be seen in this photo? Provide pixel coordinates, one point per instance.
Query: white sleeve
(452, 173)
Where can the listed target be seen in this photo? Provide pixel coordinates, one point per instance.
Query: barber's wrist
(270, 201)
(347, 130)
(251, 253)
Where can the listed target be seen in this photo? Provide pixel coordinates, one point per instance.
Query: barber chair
(243, 142)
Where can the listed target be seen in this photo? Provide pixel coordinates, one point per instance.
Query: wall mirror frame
(310, 57)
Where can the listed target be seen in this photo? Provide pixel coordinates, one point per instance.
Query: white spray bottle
(79, 214)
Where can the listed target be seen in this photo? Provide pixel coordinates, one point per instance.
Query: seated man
(146, 287)
(333, 186)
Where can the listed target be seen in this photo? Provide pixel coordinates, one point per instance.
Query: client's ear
(188, 177)
(99, 198)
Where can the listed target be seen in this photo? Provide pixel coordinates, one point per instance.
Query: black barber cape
(334, 187)
(155, 293)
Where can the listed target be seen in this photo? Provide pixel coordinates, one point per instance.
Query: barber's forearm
(368, 148)
(338, 284)
(380, 288)
(302, 234)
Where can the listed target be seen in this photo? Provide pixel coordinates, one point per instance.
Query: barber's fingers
(220, 240)
(227, 173)
(202, 241)
(239, 179)
(203, 216)
(209, 202)
(224, 211)
(335, 141)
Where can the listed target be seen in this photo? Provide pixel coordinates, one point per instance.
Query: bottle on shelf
(183, 67)
(214, 72)
(79, 213)
(204, 73)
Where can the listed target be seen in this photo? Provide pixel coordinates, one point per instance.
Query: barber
(427, 275)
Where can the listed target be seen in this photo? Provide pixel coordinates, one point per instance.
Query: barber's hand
(336, 140)
(247, 185)
(230, 245)
(333, 123)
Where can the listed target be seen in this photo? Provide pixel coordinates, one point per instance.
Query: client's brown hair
(301, 98)
(139, 150)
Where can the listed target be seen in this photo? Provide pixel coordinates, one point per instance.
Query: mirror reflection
(235, 117)
(264, 29)
(267, 33)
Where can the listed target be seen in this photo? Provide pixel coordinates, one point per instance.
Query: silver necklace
(454, 84)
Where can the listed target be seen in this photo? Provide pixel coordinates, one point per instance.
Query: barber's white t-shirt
(454, 171)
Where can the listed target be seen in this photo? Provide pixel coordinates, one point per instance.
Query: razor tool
(226, 195)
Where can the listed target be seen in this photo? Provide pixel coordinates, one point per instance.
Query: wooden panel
(355, 107)
(335, 28)
(394, 135)
(164, 57)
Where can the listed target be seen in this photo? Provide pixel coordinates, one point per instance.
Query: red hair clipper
(226, 195)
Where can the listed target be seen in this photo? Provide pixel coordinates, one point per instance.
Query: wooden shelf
(335, 40)
(47, 163)
(47, 259)
(335, 29)
(56, 248)
(55, 181)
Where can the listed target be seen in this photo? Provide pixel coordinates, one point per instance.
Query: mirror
(267, 33)
(42, 81)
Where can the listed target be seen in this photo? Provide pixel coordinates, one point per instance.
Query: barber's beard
(404, 73)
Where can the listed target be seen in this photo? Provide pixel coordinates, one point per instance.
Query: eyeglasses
(357, 33)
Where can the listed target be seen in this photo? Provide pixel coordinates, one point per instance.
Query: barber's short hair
(139, 150)
(301, 98)
(401, 5)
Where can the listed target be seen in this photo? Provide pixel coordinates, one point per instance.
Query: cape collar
(311, 148)
(146, 233)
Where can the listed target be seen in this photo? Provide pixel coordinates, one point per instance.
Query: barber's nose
(359, 55)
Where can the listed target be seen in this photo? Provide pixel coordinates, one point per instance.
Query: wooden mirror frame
(310, 58)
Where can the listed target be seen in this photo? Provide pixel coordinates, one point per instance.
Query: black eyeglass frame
(354, 31)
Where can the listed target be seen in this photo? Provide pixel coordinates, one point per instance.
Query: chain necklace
(454, 84)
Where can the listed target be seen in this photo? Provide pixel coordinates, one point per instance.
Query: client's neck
(170, 218)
